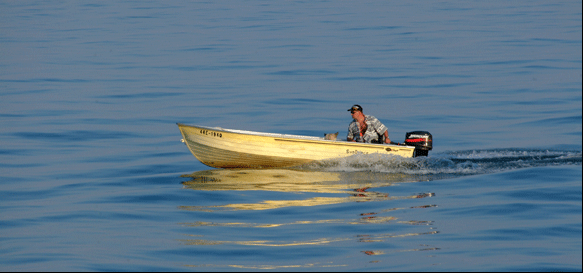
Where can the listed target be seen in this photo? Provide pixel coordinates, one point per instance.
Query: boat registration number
(210, 133)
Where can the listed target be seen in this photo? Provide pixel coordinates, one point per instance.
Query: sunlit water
(93, 175)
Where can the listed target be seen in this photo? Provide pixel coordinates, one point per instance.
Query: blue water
(93, 176)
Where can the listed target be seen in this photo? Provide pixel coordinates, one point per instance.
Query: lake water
(93, 176)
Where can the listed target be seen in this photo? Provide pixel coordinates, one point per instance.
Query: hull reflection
(355, 185)
(304, 228)
(287, 180)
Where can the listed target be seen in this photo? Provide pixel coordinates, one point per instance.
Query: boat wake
(450, 164)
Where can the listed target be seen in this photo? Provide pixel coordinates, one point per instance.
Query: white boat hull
(224, 148)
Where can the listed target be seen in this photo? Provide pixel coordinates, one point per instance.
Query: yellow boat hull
(225, 148)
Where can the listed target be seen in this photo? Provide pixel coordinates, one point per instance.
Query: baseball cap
(355, 107)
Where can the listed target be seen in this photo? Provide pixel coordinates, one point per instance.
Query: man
(365, 128)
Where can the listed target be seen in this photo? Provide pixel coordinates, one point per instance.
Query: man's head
(356, 111)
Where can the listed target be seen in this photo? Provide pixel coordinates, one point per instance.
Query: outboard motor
(422, 140)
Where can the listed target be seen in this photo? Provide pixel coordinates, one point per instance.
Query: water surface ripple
(93, 176)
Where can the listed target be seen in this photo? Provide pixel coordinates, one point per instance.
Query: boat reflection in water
(320, 189)
(356, 184)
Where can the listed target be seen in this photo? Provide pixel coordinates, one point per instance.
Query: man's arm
(350, 135)
(380, 127)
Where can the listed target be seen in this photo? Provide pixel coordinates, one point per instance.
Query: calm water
(93, 175)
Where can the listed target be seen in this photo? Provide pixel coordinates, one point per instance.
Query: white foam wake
(451, 163)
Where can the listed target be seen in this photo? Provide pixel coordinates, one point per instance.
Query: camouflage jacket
(374, 130)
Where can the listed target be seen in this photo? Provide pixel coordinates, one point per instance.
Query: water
(93, 176)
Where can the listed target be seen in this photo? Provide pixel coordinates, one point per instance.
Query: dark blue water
(93, 175)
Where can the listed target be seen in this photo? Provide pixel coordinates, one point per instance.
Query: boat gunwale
(299, 138)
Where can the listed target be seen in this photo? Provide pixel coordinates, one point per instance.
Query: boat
(227, 148)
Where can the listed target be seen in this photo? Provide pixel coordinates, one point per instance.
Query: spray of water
(457, 163)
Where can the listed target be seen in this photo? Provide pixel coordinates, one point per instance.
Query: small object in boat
(331, 136)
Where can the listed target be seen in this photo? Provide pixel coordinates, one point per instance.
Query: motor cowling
(422, 140)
